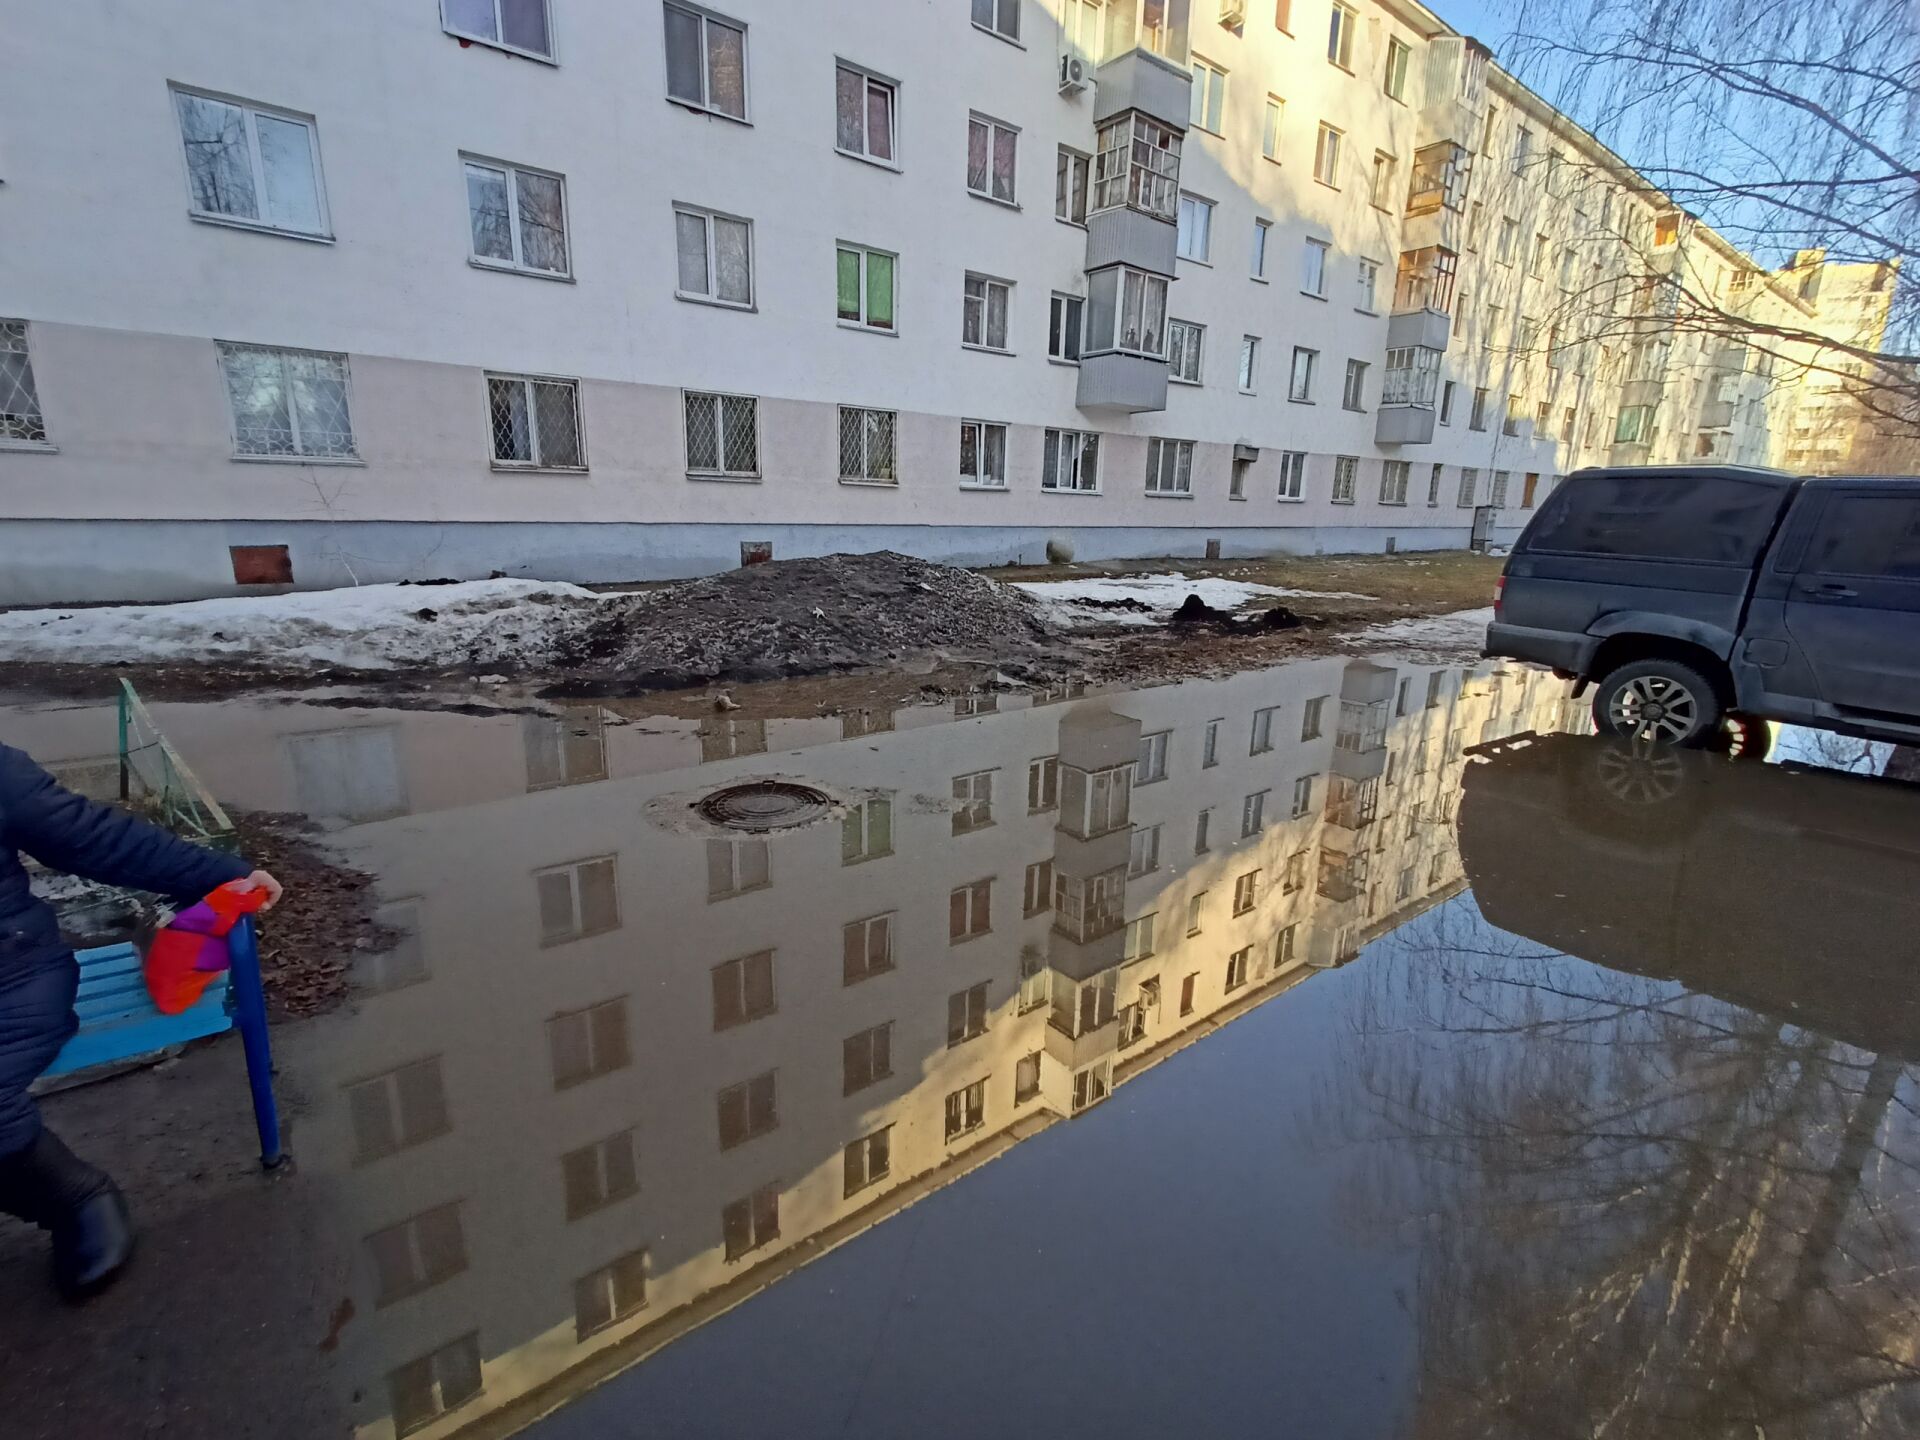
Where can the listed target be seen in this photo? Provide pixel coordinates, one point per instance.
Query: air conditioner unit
(1073, 74)
(1233, 13)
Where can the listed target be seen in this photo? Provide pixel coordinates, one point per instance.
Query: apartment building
(625, 1072)
(602, 291)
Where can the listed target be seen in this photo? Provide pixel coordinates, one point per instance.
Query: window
(1202, 823)
(1293, 475)
(966, 1014)
(1208, 96)
(1196, 910)
(1183, 351)
(1313, 268)
(1127, 310)
(1283, 16)
(610, 1294)
(743, 990)
(1446, 403)
(1193, 239)
(518, 218)
(1477, 416)
(1393, 482)
(1874, 537)
(1092, 1085)
(715, 257)
(1026, 1078)
(595, 1176)
(1249, 362)
(998, 17)
(1367, 277)
(20, 418)
(866, 950)
(864, 286)
(1705, 519)
(1210, 746)
(1346, 469)
(1542, 248)
(866, 446)
(1516, 414)
(866, 1058)
(1395, 81)
(1433, 498)
(1508, 241)
(1312, 718)
(577, 900)
(1497, 498)
(1294, 876)
(863, 114)
(970, 911)
(423, 1390)
(736, 866)
(1253, 811)
(747, 1111)
(251, 166)
(1261, 739)
(983, 313)
(1340, 27)
(1137, 943)
(1529, 487)
(1071, 461)
(1170, 472)
(1245, 890)
(1412, 371)
(1469, 483)
(1300, 384)
(1326, 156)
(1634, 425)
(1270, 128)
(535, 423)
(1150, 761)
(1302, 796)
(983, 455)
(706, 61)
(1038, 890)
(866, 1161)
(972, 802)
(1238, 964)
(1284, 947)
(1143, 851)
(284, 402)
(748, 1224)
(404, 1107)
(1257, 256)
(1070, 186)
(1522, 148)
(1137, 164)
(1065, 322)
(966, 1109)
(1568, 418)
(723, 435)
(1187, 984)
(866, 832)
(1381, 194)
(519, 25)
(1354, 395)
(991, 152)
(585, 1044)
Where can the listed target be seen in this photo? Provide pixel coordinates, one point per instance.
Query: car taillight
(1499, 593)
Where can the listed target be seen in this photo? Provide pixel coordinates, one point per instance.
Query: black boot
(80, 1206)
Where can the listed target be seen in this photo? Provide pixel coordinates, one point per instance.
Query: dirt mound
(801, 617)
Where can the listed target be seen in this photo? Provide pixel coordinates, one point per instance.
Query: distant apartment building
(621, 1074)
(605, 291)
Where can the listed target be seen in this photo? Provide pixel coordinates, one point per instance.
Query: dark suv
(1686, 594)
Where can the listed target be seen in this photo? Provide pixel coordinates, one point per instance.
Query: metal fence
(154, 777)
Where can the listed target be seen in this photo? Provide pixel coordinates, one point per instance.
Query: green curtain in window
(849, 285)
(880, 291)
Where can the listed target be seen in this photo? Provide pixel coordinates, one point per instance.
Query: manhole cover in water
(764, 805)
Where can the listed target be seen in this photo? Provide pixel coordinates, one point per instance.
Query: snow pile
(1460, 631)
(1150, 599)
(366, 627)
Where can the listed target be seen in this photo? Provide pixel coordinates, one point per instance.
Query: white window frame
(1302, 797)
(1380, 188)
(1128, 284)
(866, 459)
(1300, 379)
(999, 9)
(1084, 448)
(1346, 478)
(1249, 363)
(705, 105)
(1272, 122)
(1253, 811)
(349, 456)
(1313, 267)
(1143, 851)
(1394, 80)
(1198, 334)
(1293, 476)
(26, 429)
(870, 79)
(994, 129)
(1353, 392)
(1071, 160)
(1209, 97)
(1257, 255)
(538, 462)
(517, 265)
(1395, 476)
(1469, 484)
(712, 296)
(865, 253)
(1260, 735)
(1326, 155)
(982, 307)
(550, 58)
(1367, 278)
(1246, 892)
(253, 110)
(983, 478)
(1169, 472)
(719, 399)
(1341, 23)
(1195, 223)
(573, 869)
(1066, 319)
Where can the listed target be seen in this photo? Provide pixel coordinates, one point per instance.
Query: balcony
(1716, 415)
(1640, 392)
(1123, 382)
(1141, 80)
(1422, 329)
(1125, 236)
(1403, 425)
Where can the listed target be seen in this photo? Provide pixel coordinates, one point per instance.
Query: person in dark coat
(40, 1179)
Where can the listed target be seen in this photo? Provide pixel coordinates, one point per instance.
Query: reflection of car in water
(1791, 891)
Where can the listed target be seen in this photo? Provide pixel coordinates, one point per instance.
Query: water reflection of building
(618, 1077)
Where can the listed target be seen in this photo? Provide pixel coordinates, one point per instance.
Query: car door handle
(1833, 590)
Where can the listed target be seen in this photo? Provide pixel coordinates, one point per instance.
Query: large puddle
(1236, 1057)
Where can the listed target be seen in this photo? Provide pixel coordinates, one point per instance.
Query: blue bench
(118, 1021)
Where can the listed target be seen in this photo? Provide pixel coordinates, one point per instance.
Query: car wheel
(1661, 701)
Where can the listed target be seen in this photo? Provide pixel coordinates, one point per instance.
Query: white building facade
(603, 291)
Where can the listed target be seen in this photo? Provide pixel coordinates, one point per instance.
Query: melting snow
(1461, 630)
(1064, 599)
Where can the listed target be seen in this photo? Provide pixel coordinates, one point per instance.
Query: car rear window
(1868, 535)
(1719, 519)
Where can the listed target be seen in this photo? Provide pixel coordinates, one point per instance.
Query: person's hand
(261, 880)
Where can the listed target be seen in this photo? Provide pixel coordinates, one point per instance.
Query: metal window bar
(153, 776)
(20, 417)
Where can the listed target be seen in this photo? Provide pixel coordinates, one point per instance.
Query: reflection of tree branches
(1639, 1212)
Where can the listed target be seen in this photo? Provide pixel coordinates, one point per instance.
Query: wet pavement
(1333, 1049)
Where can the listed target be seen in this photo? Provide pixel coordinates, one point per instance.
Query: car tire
(1662, 701)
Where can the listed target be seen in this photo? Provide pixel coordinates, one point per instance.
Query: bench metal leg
(250, 1015)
